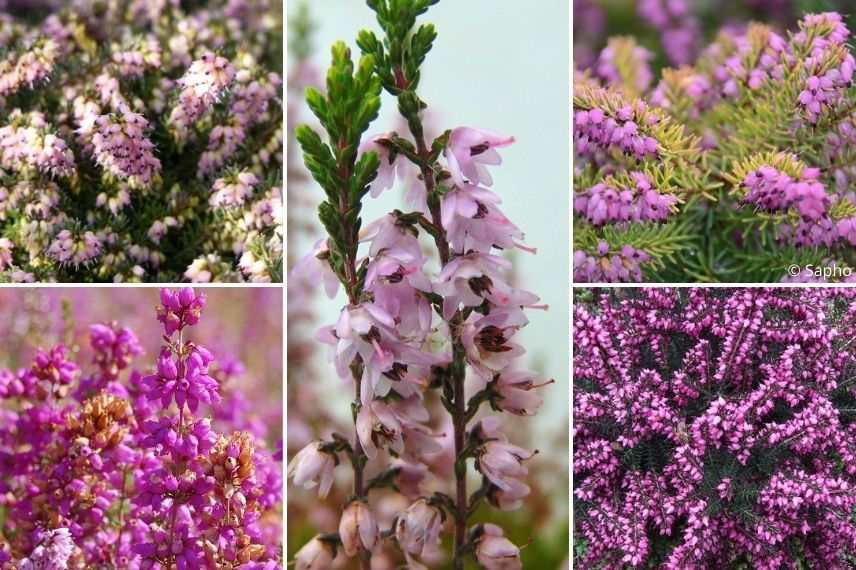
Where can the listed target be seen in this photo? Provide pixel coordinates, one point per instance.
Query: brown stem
(459, 421)
(351, 284)
(459, 415)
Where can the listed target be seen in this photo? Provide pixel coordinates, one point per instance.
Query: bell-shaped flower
(313, 268)
(470, 151)
(313, 466)
(390, 165)
(495, 552)
(418, 528)
(471, 279)
(487, 339)
(358, 529)
(473, 221)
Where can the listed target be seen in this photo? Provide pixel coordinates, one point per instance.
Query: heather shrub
(134, 452)
(735, 164)
(715, 428)
(141, 141)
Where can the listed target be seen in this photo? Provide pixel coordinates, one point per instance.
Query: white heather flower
(312, 466)
(358, 528)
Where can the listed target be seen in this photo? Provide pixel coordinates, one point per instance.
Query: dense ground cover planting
(141, 141)
(715, 428)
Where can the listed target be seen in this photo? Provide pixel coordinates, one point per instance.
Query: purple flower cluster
(622, 266)
(115, 469)
(602, 204)
(598, 130)
(715, 425)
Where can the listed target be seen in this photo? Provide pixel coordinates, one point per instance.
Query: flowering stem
(458, 368)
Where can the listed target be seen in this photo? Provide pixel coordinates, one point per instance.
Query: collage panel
(141, 428)
(714, 428)
(713, 141)
(428, 285)
(141, 141)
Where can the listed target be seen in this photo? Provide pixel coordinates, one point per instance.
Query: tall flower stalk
(409, 336)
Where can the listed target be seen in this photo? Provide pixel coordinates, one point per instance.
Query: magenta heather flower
(179, 309)
(602, 203)
(95, 476)
(712, 425)
(596, 131)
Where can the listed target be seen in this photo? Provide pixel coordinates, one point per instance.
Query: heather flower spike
(431, 306)
(105, 467)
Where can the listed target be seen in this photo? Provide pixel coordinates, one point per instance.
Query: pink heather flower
(313, 466)
(468, 153)
(311, 269)
(32, 145)
(495, 552)
(502, 463)
(121, 147)
(469, 280)
(370, 332)
(382, 426)
(75, 250)
(223, 142)
(135, 62)
(473, 221)
(6, 247)
(233, 190)
(509, 498)
(389, 163)
(487, 339)
(358, 529)
(202, 85)
(159, 228)
(515, 390)
(52, 553)
(418, 528)
(32, 66)
(317, 554)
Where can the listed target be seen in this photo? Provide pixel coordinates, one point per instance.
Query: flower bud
(495, 552)
(317, 554)
(358, 528)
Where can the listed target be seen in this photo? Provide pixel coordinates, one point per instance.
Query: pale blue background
(501, 65)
